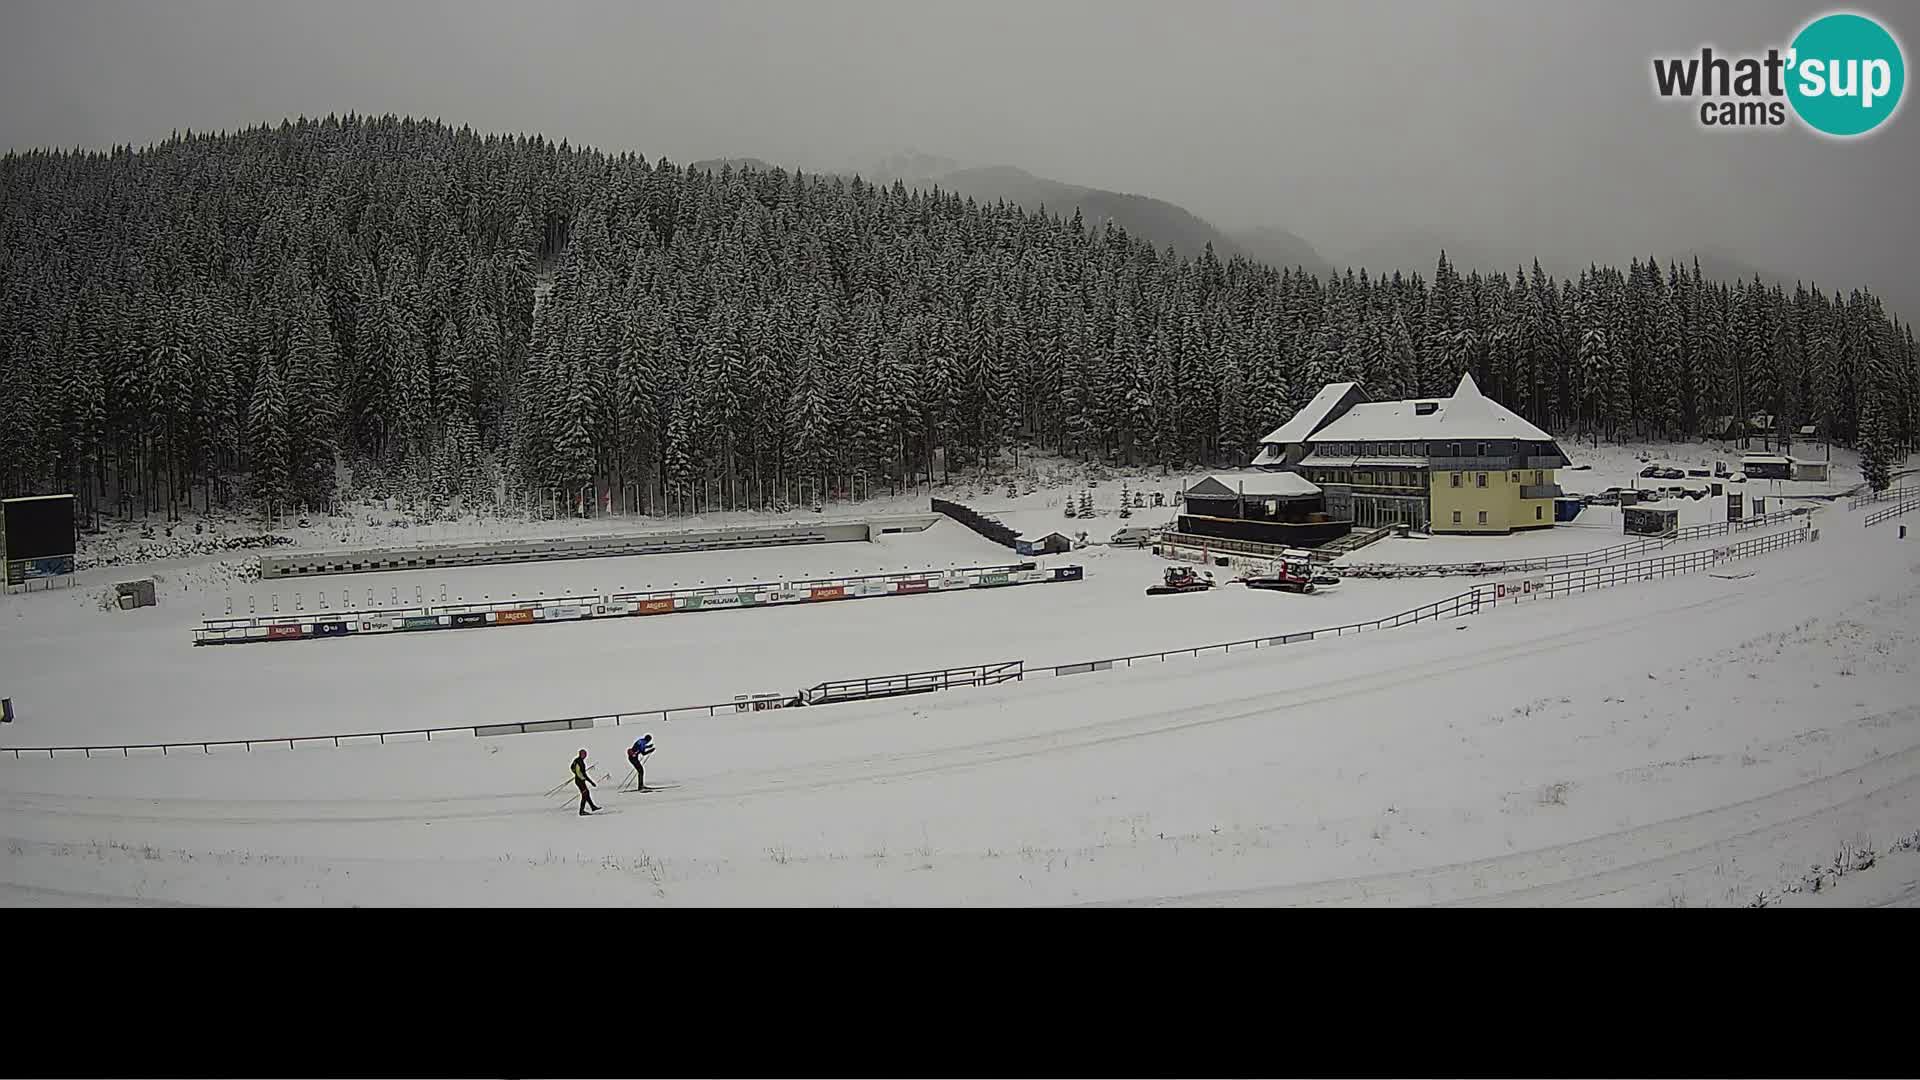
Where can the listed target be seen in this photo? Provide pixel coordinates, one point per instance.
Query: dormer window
(1425, 408)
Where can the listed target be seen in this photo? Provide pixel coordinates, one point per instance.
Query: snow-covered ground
(1692, 741)
(88, 676)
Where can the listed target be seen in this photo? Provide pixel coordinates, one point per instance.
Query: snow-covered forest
(228, 319)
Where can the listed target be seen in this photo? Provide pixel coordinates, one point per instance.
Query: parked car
(1134, 535)
(1650, 471)
(1672, 474)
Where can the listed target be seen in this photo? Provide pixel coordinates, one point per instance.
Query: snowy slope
(1684, 742)
(162, 688)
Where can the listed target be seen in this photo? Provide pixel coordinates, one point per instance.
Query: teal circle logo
(1846, 75)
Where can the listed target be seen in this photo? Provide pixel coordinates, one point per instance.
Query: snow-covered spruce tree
(1876, 442)
(267, 436)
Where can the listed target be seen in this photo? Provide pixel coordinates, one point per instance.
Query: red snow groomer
(1181, 579)
(1289, 574)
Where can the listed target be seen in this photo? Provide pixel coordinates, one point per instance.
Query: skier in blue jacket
(641, 748)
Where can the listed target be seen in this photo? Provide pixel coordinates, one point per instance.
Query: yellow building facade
(1497, 501)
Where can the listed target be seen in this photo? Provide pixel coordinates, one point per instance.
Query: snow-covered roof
(1767, 459)
(1260, 485)
(1270, 454)
(1311, 416)
(1468, 414)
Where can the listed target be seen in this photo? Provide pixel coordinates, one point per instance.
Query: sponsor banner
(1026, 577)
(1067, 573)
(376, 623)
(421, 622)
(992, 579)
(330, 629)
(831, 592)
(910, 586)
(470, 618)
(283, 632)
(758, 702)
(721, 599)
(874, 588)
(1519, 589)
(562, 611)
(954, 583)
(654, 607)
(689, 603)
(21, 571)
(517, 615)
(785, 596)
(747, 599)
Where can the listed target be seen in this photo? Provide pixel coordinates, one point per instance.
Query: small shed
(1767, 467)
(1649, 520)
(134, 594)
(1816, 471)
(1043, 544)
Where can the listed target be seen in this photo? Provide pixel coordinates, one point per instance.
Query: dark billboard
(40, 527)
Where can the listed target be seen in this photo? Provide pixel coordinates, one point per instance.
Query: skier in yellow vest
(581, 780)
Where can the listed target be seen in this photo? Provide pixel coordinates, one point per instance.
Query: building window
(1456, 517)
(1480, 480)
(1456, 479)
(1483, 517)
(1536, 513)
(1516, 478)
(1483, 450)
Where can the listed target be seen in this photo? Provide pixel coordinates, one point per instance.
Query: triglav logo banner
(1842, 76)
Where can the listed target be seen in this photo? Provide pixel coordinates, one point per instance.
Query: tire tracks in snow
(915, 764)
(965, 757)
(1602, 866)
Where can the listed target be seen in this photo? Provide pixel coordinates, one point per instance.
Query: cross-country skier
(581, 780)
(641, 748)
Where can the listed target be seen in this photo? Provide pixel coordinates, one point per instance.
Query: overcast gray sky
(1528, 125)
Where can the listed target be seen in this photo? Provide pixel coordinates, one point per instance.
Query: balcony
(1550, 461)
(1541, 491)
(1503, 463)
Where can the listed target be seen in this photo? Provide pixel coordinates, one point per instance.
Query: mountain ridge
(1164, 223)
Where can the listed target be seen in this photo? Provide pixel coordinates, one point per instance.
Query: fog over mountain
(1374, 130)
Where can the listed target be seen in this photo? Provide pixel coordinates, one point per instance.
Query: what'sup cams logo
(1842, 76)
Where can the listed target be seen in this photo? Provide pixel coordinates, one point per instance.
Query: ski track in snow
(1683, 742)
